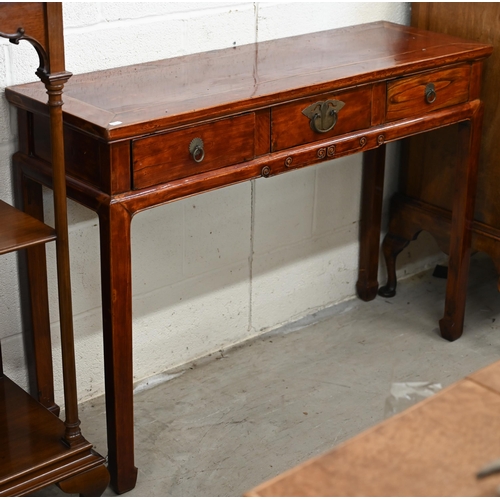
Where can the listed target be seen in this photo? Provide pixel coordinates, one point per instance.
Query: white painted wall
(213, 270)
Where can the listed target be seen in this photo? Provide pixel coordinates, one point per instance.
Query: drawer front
(310, 119)
(419, 94)
(182, 153)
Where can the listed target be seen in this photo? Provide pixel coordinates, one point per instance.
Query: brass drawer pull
(196, 150)
(323, 115)
(430, 93)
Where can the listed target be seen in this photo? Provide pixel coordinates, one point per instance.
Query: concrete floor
(224, 426)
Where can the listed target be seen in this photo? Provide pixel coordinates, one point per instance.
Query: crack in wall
(252, 193)
(250, 257)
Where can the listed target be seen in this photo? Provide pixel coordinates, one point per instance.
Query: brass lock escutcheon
(323, 115)
(430, 93)
(196, 150)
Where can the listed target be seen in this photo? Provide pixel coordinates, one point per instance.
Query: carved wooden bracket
(43, 68)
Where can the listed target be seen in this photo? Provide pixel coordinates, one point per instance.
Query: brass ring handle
(317, 121)
(430, 93)
(323, 115)
(196, 150)
(198, 154)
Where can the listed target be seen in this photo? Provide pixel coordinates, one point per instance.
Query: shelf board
(19, 230)
(32, 452)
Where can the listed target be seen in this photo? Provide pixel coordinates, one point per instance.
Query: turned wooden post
(54, 85)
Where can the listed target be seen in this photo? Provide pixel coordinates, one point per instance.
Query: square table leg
(372, 194)
(468, 147)
(116, 282)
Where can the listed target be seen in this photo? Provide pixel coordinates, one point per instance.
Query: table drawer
(292, 123)
(173, 155)
(419, 94)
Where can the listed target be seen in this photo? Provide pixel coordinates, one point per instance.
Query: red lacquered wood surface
(127, 132)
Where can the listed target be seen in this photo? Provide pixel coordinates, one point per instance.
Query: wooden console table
(145, 135)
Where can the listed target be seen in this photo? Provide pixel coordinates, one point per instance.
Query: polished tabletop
(142, 98)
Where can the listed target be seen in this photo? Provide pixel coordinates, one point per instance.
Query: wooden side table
(145, 135)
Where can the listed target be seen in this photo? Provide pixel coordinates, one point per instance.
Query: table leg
(370, 224)
(39, 347)
(392, 246)
(451, 324)
(116, 278)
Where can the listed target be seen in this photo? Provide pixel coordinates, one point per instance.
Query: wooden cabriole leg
(116, 278)
(451, 324)
(392, 246)
(369, 227)
(408, 217)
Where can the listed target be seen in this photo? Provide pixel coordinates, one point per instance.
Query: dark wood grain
(91, 483)
(39, 349)
(24, 15)
(48, 34)
(55, 35)
(116, 289)
(37, 448)
(34, 454)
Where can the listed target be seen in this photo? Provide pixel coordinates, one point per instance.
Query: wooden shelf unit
(34, 454)
(37, 449)
(19, 230)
